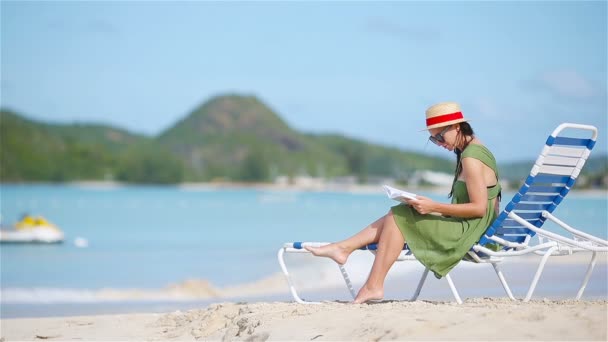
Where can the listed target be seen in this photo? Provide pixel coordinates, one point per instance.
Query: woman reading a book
(439, 242)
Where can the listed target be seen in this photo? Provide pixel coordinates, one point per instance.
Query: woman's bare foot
(366, 294)
(333, 251)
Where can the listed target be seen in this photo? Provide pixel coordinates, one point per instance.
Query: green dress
(440, 242)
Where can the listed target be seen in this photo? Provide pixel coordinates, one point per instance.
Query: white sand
(476, 319)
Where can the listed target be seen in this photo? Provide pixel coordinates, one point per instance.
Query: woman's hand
(423, 205)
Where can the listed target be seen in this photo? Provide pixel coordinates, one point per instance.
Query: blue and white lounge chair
(552, 176)
(550, 180)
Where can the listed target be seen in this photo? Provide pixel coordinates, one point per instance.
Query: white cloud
(568, 84)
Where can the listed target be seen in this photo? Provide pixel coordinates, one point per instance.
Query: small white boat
(32, 230)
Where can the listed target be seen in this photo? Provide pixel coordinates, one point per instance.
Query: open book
(402, 196)
(398, 195)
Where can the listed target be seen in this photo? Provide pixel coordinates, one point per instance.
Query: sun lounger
(550, 180)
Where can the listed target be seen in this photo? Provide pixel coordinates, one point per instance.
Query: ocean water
(148, 237)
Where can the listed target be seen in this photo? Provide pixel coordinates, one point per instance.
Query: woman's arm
(476, 187)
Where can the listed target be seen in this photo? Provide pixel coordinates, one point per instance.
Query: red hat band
(443, 118)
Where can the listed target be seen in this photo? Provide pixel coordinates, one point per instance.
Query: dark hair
(465, 131)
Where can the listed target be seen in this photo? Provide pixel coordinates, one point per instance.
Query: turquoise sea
(149, 237)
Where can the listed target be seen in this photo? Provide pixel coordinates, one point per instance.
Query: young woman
(439, 242)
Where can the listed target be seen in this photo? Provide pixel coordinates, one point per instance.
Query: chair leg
(292, 289)
(503, 281)
(349, 284)
(539, 271)
(453, 288)
(587, 276)
(420, 284)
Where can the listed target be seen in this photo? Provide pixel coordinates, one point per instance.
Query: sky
(367, 70)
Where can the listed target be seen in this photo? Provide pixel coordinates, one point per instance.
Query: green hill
(366, 159)
(36, 151)
(240, 137)
(232, 137)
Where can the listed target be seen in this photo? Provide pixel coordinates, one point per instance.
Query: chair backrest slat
(533, 215)
(514, 238)
(512, 230)
(538, 198)
(557, 170)
(511, 222)
(549, 179)
(571, 141)
(540, 189)
(566, 151)
(531, 206)
(561, 161)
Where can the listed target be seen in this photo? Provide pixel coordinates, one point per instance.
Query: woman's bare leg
(339, 251)
(390, 245)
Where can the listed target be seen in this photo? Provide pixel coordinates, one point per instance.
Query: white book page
(398, 195)
(402, 196)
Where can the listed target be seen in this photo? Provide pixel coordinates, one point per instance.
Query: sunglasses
(438, 138)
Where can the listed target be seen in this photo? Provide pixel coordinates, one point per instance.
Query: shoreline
(318, 280)
(324, 187)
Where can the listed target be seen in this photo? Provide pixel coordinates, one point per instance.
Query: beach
(163, 263)
(486, 313)
(476, 319)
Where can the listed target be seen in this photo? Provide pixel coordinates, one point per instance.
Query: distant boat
(32, 230)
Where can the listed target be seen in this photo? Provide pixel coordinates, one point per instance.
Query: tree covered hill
(239, 137)
(37, 151)
(231, 137)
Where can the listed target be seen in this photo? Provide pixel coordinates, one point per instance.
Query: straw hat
(443, 114)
